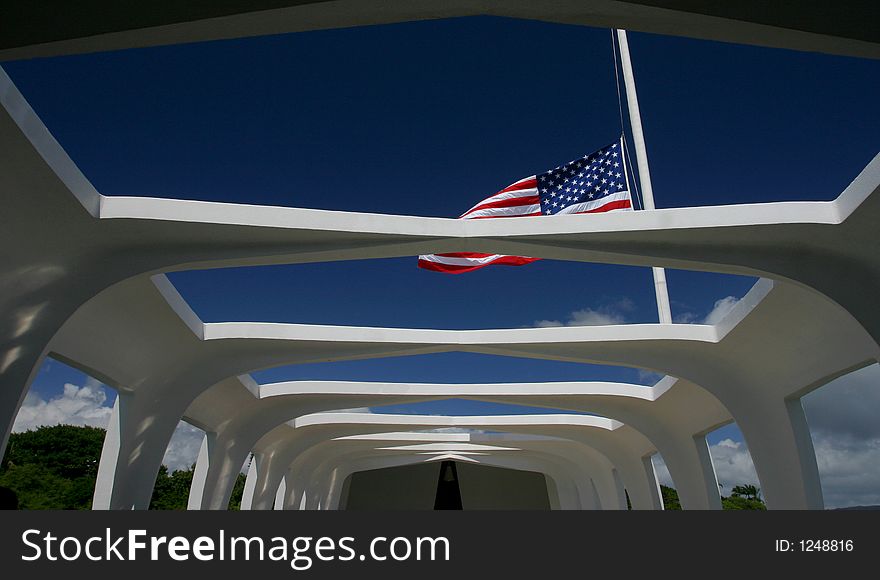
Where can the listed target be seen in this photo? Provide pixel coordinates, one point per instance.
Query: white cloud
(849, 468)
(87, 405)
(183, 449)
(608, 314)
(846, 436)
(661, 470)
(75, 406)
(733, 466)
(848, 405)
(547, 323)
(685, 318)
(590, 317)
(721, 309)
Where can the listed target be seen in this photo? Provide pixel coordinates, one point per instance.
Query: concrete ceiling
(33, 29)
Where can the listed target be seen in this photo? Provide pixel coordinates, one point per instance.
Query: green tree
(670, 498)
(67, 451)
(237, 493)
(171, 491)
(748, 491)
(738, 502)
(53, 467)
(742, 497)
(37, 487)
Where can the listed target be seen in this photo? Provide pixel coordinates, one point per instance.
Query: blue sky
(426, 119)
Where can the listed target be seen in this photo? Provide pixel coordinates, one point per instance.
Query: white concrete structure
(291, 446)
(81, 279)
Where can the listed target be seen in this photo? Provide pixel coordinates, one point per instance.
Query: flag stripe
(581, 186)
(621, 204)
(500, 212)
(525, 183)
(503, 195)
(530, 197)
(461, 265)
(597, 205)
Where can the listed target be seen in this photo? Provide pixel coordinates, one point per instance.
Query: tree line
(55, 468)
(742, 497)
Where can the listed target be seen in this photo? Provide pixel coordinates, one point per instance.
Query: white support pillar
(567, 493)
(334, 489)
(596, 501)
(294, 490)
(313, 495)
(694, 480)
(280, 495)
(197, 488)
(710, 479)
(223, 467)
(552, 492)
(269, 477)
(250, 484)
(653, 484)
(620, 504)
(134, 446)
(602, 483)
(781, 447)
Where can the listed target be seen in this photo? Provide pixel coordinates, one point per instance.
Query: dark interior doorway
(448, 495)
(416, 487)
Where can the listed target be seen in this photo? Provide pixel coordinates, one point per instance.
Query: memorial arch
(83, 280)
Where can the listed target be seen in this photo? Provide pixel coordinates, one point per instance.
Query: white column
(710, 479)
(334, 489)
(313, 496)
(197, 488)
(596, 501)
(568, 494)
(552, 492)
(250, 483)
(294, 490)
(653, 484)
(134, 446)
(686, 459)
(779, 441)
(620, 503)
(342, 502)
(225, 460)
(269, 477)
(280, 495)
(602, 482)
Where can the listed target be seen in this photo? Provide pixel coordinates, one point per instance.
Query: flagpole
(663, 309)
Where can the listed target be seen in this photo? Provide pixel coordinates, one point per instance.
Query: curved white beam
(574, 459)
(665, 422)
(621, 445)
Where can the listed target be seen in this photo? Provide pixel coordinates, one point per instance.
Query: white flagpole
(663, 309)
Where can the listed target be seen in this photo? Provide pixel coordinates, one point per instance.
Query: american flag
(594, 183)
